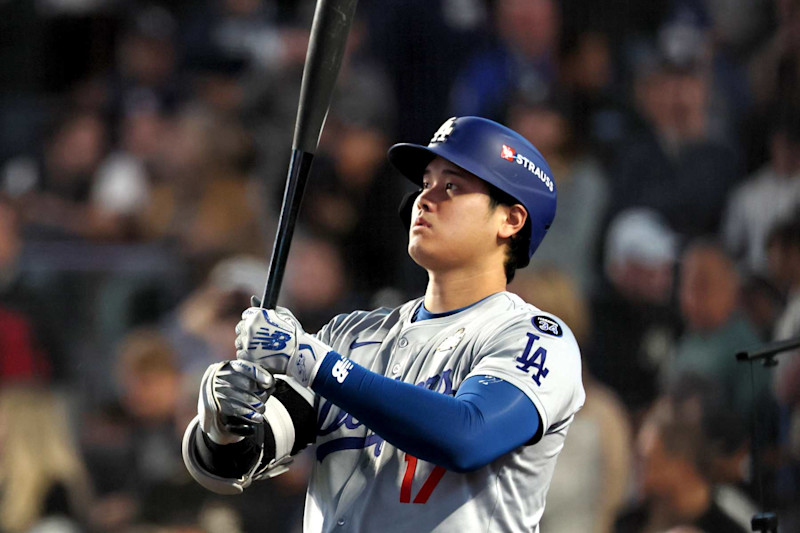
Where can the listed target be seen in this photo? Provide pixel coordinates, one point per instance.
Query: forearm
(460, 433)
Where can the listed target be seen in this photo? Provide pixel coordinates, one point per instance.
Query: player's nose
(428, 198)
(423, 202)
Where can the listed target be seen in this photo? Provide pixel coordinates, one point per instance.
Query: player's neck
(456, 289)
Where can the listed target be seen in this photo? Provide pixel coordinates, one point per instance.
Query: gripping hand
(232, 399)
(275, 340)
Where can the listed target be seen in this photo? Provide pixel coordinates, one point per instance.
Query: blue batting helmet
(497, 155)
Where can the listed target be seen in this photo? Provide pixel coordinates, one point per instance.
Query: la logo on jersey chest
(450, 342)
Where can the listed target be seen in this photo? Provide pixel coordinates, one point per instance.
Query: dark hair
(517, 252)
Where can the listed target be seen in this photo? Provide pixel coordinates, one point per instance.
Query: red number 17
(427, 488)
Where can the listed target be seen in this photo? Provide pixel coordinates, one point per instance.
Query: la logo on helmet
(444, 131)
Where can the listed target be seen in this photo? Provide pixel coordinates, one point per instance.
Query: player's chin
(419, 250)
(427, 254)
(419, 237)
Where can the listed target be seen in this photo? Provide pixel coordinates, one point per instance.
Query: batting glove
(275, 340)
(232, 398)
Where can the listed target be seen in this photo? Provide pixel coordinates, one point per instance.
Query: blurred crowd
(143, 154)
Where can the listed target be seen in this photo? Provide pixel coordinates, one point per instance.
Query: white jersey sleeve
(538, 354)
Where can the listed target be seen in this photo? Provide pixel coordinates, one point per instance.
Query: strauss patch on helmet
(509, 154)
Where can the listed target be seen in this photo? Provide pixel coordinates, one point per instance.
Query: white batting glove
(275, 340)
(232, 398)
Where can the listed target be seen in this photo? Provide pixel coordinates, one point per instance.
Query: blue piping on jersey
(421, 313)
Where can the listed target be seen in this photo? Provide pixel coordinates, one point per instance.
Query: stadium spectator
(676, 479)
(636, 323)
(43, 481)
(200, 328)
(728, 436)
(145, 73)
(30, 343)
(716, 329)
(122, 188)
(53, 189)
(207, 198)
(771, 194)
(523, 59)
(258, 34)
(673, 166)
(601, 118)
(133, 444)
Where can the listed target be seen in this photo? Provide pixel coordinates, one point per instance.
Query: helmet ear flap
(406, 207)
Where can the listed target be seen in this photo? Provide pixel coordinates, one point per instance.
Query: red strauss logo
(509, 154)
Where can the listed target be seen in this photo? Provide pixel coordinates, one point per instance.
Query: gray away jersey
(360, 483)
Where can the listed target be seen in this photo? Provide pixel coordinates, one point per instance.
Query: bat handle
(299, 168)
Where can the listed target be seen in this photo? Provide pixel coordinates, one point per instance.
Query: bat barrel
(299, 168)
(326, 46)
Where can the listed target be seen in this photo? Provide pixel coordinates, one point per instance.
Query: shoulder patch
(547, 325)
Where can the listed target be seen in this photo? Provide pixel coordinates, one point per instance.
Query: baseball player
(444, 414)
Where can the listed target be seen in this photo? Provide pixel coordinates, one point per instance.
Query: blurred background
(143, 153)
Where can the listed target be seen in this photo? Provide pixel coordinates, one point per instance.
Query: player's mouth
(421, 222)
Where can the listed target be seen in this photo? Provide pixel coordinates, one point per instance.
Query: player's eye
(450, 186)
(426, 185)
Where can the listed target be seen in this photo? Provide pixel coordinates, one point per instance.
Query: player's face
(453, 224)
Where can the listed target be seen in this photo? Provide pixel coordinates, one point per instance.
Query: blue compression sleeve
(486, 419)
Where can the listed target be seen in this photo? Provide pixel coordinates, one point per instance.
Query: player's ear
(513, 222)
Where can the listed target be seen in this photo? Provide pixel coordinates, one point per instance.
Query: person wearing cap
(635, 317)
(444, 414)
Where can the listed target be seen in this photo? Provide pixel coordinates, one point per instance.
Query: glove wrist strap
(306, 362)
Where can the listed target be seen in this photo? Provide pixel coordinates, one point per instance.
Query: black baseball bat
(332, 21)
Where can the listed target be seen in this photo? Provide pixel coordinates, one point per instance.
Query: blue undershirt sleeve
(487, 418)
